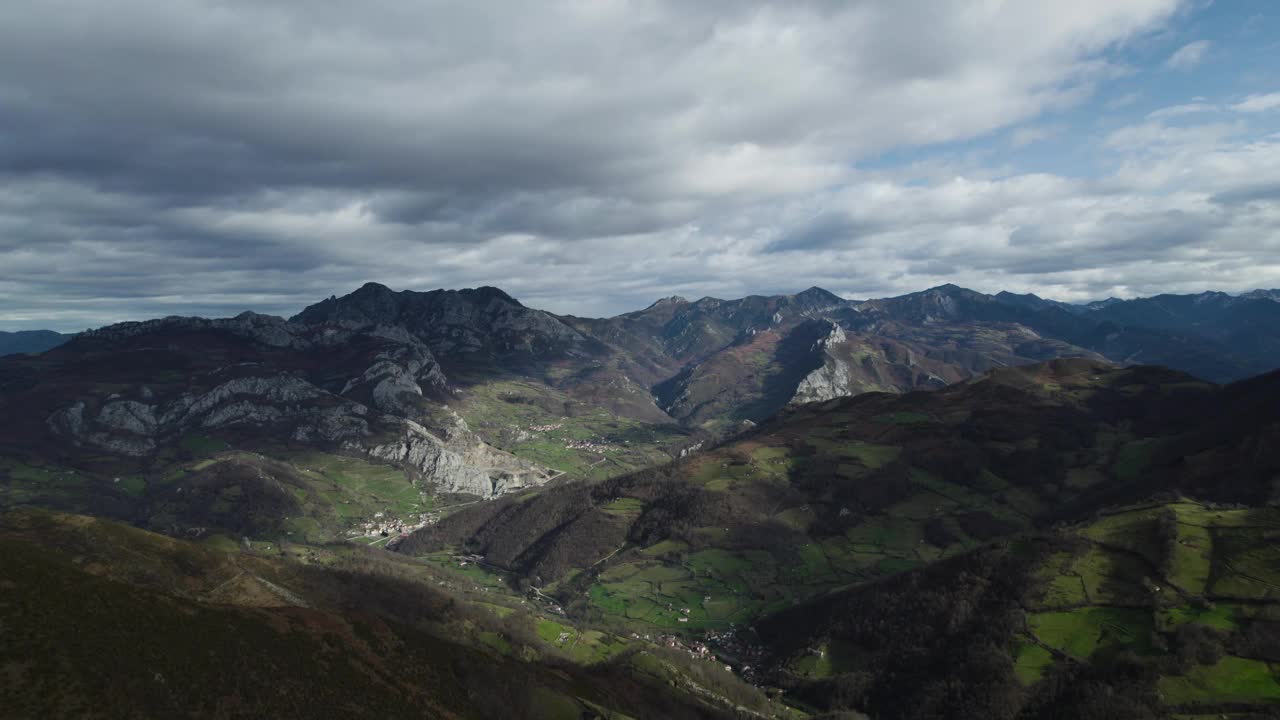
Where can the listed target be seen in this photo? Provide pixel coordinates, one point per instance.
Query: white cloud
(1187, 109)
(1025, 136)
(1258, 103)
(1188, 56)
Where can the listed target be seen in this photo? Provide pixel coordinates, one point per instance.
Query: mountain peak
(373, 287)
(1024, 296)
(1261, 294)
(664, 302)
(951, 289)
(449, 321)
(816, 295)
(489, 292)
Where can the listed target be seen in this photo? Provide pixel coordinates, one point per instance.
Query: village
(732, 647)
(390, 529)
(722, 646)
(592, 445)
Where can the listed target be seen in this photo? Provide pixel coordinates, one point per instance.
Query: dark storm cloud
(163, 156)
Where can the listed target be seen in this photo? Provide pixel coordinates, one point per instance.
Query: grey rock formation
(826, 383)
(459, 464)
(398, 373)
(333, 424)
(266, 329)
(833, 379)
(133, 427)
(71, 421)
(129, 415)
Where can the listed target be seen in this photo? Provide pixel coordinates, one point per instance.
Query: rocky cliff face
(855, 363)
(830, 381)
(396, 377)
(459, 463)
(357, 374)
(137, 422)
(133, 426)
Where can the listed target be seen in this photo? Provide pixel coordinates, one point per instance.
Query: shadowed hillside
(107, 621)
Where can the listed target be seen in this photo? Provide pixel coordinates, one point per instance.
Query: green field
(356, 488)
(539, 423)
(1231, 679)
(1083, 632)
(1219, 617)
(1030, 662)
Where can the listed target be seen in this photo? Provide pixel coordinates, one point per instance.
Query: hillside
(1147, 610)
(1017, 447)
(848, 492)
(246, 424)
(108, 621)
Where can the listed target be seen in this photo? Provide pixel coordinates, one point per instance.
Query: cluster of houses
(591, 445)
(731, 646)
(383, 525)
(696, 649)
(723, 646)
(684, 612)
(546, 428)
(465, 560)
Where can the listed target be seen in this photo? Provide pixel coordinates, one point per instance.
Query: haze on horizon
(199, 157)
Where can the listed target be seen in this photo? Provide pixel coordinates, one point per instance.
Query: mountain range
(943, 504)
(475, 392)
(30, 341)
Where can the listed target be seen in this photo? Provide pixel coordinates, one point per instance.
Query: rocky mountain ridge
(366, 389)
(404, 377)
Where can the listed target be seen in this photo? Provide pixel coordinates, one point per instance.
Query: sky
(206, 157)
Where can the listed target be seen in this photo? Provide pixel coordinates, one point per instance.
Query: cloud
(1258, 103)
(1187, 109)
(827, 230)
(207, 157)
(1251, 104)
(1188, 56)
(1025, 136)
